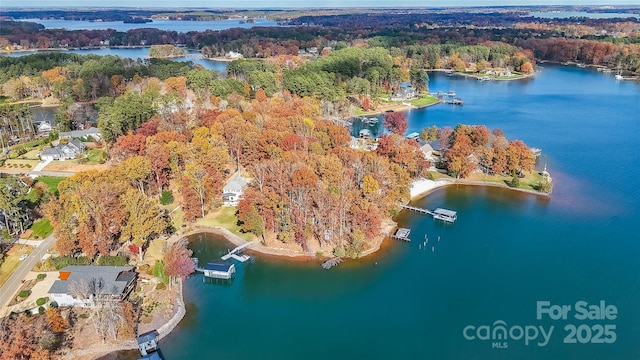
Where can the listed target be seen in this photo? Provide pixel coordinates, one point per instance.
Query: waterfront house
(427, 150)
(405, 93)
(82, 285)
(233, 189)
(44, 126)
(219, 270)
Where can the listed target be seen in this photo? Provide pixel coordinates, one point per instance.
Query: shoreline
(419, 189)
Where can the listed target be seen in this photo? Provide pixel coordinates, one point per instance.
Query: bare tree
(105, 312)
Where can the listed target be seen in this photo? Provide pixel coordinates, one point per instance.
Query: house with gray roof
(82, 285)
(233, 189)
(93, 132)
(66, 151)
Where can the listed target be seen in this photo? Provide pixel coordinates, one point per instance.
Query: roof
(426, 148)
(79, 133)
(413, 135)
(445, 212)
(78, 143)
(236, 183)
(148, 336)
(50, 151)
(114, 281)
(218, 266)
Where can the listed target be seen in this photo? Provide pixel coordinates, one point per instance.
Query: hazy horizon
(270, 4)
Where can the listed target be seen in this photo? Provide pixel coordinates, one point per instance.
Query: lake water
(590, 15)
(140, 53)
(506, 252)
(168, 25)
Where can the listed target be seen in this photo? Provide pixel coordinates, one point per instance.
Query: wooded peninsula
(172, 137)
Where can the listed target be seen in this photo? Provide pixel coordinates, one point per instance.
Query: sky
(298, 3)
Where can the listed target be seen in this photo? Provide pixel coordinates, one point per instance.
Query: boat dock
(401, 234)
(233, 253)
(331, 263)
(218, 270)
(438, 214)
(455, 101)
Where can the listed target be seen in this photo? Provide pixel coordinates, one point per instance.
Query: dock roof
(445, 212)
(218, 266)
(148, 336)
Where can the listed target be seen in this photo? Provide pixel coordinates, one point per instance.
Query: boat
(619, 75)
(373, 120)
(451, 93)
(536, 151)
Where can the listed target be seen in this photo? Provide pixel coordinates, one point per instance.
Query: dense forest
(172, 127)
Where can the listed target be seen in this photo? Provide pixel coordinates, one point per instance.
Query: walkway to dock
(438, 214)
(417, 209)
(232, 253)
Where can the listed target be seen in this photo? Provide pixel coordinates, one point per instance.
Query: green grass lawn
(529, 182)
(94, 157)
(226, 217)
(51, 181)
(424, 100)
(41, 229)
(12, 261)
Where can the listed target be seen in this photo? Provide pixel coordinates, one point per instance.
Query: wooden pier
(438, 214)
(331, 263)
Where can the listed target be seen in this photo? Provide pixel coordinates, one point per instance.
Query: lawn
(41, 229)
(94, 157)
(529, 182)
(225, 217)
(51, 181)
(424, 100)
(21, 164)
(12, 261)
(154, 251)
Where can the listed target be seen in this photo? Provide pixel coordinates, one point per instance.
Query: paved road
(38, 173)
(13, 284)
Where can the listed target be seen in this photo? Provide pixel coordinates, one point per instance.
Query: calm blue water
(142, 53)
(168, 25)
(506, 252)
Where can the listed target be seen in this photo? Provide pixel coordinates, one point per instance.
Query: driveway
(42, 164)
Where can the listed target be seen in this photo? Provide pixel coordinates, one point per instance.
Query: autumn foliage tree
(177, 261)
(396, 122)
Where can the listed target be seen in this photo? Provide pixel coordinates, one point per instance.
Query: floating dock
(401, 234)
(438, 214)
(233, 253)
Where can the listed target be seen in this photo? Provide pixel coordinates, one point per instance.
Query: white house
(233, 55)
(80, 285)
(233, 189)
(44, 127)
